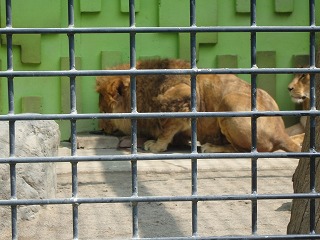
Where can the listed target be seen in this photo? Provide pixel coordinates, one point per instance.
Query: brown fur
(170, 93)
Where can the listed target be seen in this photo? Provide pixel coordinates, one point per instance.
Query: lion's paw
(205, 148)
(153, 146)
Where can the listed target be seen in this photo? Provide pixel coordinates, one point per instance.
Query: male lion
(171, 93)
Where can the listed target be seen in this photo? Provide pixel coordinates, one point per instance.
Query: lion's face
(112, 100)
(111, 94)
(299, 88)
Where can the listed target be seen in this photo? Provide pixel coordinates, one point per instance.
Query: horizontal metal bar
(133, 29)
(162, 156)
(137, 199)
(241, 237)
(82, 116)
(136, 72)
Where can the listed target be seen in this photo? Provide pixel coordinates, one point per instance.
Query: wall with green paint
(96, 51)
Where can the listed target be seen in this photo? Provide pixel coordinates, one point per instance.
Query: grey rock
(33, 180)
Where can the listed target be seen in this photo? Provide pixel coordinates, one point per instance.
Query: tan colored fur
(299, 89)
(170, 93)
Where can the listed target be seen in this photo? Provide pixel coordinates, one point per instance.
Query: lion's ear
(98, 84)
(121, 87)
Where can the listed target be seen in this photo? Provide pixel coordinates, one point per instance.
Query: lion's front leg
(212, 148)
(155, 146)
(169, 128)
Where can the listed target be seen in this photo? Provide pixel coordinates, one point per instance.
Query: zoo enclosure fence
(134, 157)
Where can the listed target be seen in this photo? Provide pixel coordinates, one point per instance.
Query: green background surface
(96, 51)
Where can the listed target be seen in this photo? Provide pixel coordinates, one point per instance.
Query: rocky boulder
(34, 180)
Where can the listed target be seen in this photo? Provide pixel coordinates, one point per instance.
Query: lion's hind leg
(237, 130)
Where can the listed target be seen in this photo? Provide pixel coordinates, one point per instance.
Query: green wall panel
(125, 6)
(177, 13)
(24, 12)
(90, 6)
(284, 6)
(243, 6)
(30, 46)
(227, 61)
(204, 8)
(33, 13)
(98, 51)
(31, 104)
(111, 58)
(300, 60)
(267, 59)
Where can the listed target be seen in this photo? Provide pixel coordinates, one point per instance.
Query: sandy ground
(164, 219)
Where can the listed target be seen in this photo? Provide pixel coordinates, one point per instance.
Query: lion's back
(149, 87)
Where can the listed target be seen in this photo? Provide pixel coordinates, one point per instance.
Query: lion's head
(112, 99)
(111, 91)
(299, 88)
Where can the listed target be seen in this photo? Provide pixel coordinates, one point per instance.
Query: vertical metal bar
(13, 173)
(194, 161)
(312, 209)
(254, 203)
(73, 123)
(134, 139)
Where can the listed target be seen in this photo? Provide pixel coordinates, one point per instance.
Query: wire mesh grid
(134, 157)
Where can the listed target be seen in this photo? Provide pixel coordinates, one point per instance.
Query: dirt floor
(165, 219)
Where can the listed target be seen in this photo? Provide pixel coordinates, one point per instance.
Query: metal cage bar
(151, 157)
(254, 169)
(134, 137)
(198, 198)
(312, 21)
(73, 122)
(101, 30)
(134, 157)
(194, 162)
(138, 72)
(13, 173)
(78, 116)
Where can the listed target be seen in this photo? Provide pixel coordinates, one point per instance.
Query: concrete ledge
(90, 141)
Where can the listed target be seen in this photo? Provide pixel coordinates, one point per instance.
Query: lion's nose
(290, 89)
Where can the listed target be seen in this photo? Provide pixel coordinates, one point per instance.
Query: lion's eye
(303, 75)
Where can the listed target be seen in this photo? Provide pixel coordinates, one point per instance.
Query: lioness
(299, 89)
(170, 93)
